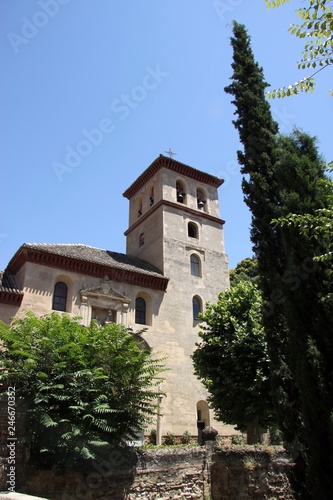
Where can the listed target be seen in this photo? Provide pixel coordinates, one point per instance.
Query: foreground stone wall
(207, 472)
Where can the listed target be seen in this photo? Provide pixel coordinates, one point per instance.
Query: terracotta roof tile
(96, 256)
(8, 283)
(174, 165)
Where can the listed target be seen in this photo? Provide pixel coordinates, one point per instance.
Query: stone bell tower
(174, 224)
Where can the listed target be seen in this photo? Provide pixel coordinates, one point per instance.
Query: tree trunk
(255, 433)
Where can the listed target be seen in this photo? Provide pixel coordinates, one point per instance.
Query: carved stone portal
(104, 304)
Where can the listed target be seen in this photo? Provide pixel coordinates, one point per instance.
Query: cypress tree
(283, 175)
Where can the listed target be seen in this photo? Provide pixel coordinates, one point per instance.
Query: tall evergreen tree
(283, 175)
(232, 361)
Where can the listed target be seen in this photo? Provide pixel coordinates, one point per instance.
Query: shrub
(275, 436)
(186, 438)
(85, 388)
(237, 439)
(169, 439)
(152, 436)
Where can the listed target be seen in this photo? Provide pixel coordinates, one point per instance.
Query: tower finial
(170, 153)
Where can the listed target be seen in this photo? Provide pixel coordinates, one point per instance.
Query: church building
(175, 263)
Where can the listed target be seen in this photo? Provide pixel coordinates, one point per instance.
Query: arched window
(203, 419)
(181, 194)
(60, 296)
(141, 239)
(197, 308)
(192, 230)
(140, 311)
(201, 200)
(195, 265)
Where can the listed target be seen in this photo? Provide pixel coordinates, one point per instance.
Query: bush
(275, 435)
(169, 439)
(85, 388)
(237, 439)
(152, 436)
(186, 438)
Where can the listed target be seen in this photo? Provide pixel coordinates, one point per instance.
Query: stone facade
(175, 262)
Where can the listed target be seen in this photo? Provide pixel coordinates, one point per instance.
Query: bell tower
(175, 225)
(173, 207)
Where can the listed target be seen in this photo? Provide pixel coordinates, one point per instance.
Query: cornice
(87, 268)
(11, 298)
(179, 206)
(175, 166)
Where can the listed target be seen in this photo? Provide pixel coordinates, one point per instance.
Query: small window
(196, 305)
(60, 296)
(140, 311)
(180, 192)
(195, 265)
(192, 230)
(141, 239)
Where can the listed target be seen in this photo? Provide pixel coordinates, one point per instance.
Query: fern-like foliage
(85, 388)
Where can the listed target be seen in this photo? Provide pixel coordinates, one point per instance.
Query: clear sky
(121, 82)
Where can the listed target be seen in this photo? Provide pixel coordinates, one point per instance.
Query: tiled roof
(8, 283)
(95, 256)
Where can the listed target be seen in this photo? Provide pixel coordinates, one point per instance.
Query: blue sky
(122, 82)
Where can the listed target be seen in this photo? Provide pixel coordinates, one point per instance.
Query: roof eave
(71, 264)
(175, 166)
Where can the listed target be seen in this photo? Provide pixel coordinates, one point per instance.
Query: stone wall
(206, 472)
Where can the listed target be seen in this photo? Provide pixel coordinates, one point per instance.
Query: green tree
(285, 175)
(232, 360)
(84, 388)
(246, 270)
(318, 225)
(316, 29)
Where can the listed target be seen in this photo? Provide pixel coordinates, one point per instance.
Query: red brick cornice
(86, 268)
(175, 166)
(11, 298)
(179, 206)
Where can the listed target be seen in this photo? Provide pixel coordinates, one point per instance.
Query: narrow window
(140, 311)
(141, 239)
(60, 296)
(192, 230)
(195, 265)
(196, 305)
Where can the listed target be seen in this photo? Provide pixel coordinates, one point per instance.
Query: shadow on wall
(111, 477)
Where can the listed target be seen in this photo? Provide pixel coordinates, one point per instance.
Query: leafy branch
(317, 28)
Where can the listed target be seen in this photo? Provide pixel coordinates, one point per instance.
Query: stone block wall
(200, 472)
(211, 471)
